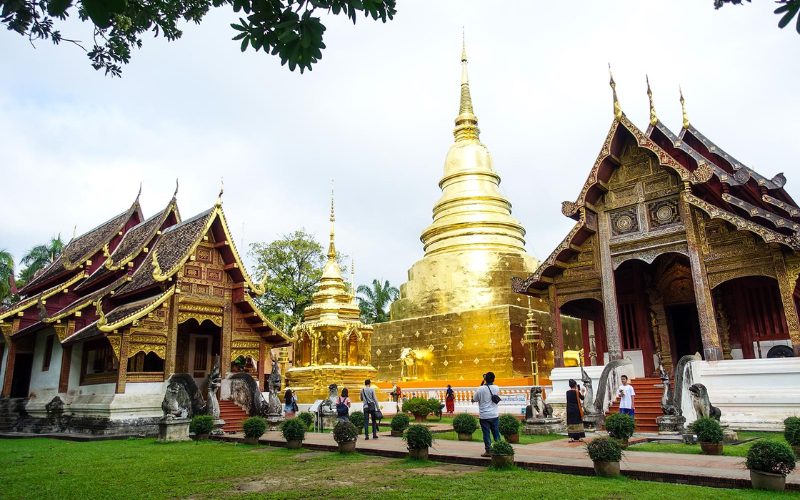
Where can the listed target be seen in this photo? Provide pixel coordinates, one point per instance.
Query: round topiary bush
(400, 422)
(254, 427)
(293, 429)
(501, 448)
(604, 449)
(344, 432)
(201, 424)
(620, 426)
(707, 430)
(307, 418)
(419, 407)
(509, 425)
(791, 430)
(435, 406)
(418, 437)
(464, 423)
(357, 418)
(774, 457)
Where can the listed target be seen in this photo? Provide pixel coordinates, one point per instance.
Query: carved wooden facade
(677, 247)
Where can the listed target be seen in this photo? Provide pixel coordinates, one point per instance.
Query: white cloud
(376, 114)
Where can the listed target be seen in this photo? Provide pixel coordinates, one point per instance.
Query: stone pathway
(560, 456)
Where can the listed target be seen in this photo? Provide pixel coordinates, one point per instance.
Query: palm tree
(375, 300)
(40, 257)
(6, 275)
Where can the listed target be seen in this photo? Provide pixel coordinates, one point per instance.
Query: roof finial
(331, 246)
(617, 107)
(221, 190)
(353, 276)
(466, 121)
(139, 193)
(653, 116)
(74, 231)
(175, 194)
(683, 109)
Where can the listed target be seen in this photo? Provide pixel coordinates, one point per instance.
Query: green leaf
(245, 41)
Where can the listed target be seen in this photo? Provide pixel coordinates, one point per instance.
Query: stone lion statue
(176, 403)
(538, 408)
(702, 405)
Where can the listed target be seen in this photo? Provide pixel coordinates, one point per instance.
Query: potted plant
(419, 407)
(465, 424)
(502, 454)
(709, 433)
(769, 462)
(605, 453)
(791, 431)
(201, 426)
(620, 427)
(418, 439)
(307, 418)
(509, 428)
(293, 431)
(254, 428)
(345, 434)
(399, 424)
(357, 418)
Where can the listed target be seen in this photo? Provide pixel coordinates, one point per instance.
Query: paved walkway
(561, 456)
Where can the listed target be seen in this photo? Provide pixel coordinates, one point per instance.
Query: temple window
(98, 363)
(48, 352)
(142, 362)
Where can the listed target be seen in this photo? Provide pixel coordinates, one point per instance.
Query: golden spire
(683, 109)
(653, 116)
(466, 121)
(617, 107)
(331, 246)
(353, 277)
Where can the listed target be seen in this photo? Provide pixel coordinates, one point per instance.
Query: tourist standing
(450, 399)
(343, 406)
(626, 394)
(289, 403)
(395, 394)
(575, 429)
(488, 397)
(370, 409)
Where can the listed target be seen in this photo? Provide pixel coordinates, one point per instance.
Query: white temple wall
(44, 383)
(3, 362)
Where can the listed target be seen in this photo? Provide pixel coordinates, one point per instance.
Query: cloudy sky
(376, 115)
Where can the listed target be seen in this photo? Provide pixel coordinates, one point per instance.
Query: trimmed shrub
(464, 423)
(344, 432)
(791, 430)
(307, 418)
(202, 424)
(400, 422)
(604, 449)
(707, 429)
(501, 448)
(620, 426)
(435, 406)
(509, 425)
(358, 418)
(419, 407)
(771, 456)
(254, 427)
(293, 429)
(418, 437)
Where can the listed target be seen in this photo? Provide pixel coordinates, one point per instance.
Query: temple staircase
(647, 403)
(234, 416)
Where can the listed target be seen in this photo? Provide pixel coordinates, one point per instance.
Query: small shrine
(331, 345)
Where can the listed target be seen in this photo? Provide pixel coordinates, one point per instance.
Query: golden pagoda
(331, 345)
(457, 316)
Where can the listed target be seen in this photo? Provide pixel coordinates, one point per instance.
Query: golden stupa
(331, 345)
(457, 316)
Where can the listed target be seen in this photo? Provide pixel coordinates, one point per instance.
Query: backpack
(341, 408)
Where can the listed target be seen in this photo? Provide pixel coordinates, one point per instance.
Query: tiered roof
(719, 185)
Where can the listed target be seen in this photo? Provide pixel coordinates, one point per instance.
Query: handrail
(609, 382)
(681, 373)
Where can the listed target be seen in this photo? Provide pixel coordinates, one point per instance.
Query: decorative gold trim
(22, 305)
(103, 326)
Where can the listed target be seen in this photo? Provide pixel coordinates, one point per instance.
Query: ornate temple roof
(79, 250)
(718, 184)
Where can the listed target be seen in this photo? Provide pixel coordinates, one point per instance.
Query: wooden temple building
(677, 248)
(126, 305)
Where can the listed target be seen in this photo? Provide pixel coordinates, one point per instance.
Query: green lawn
(143, 468)
(739, 450)
(523, 438)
